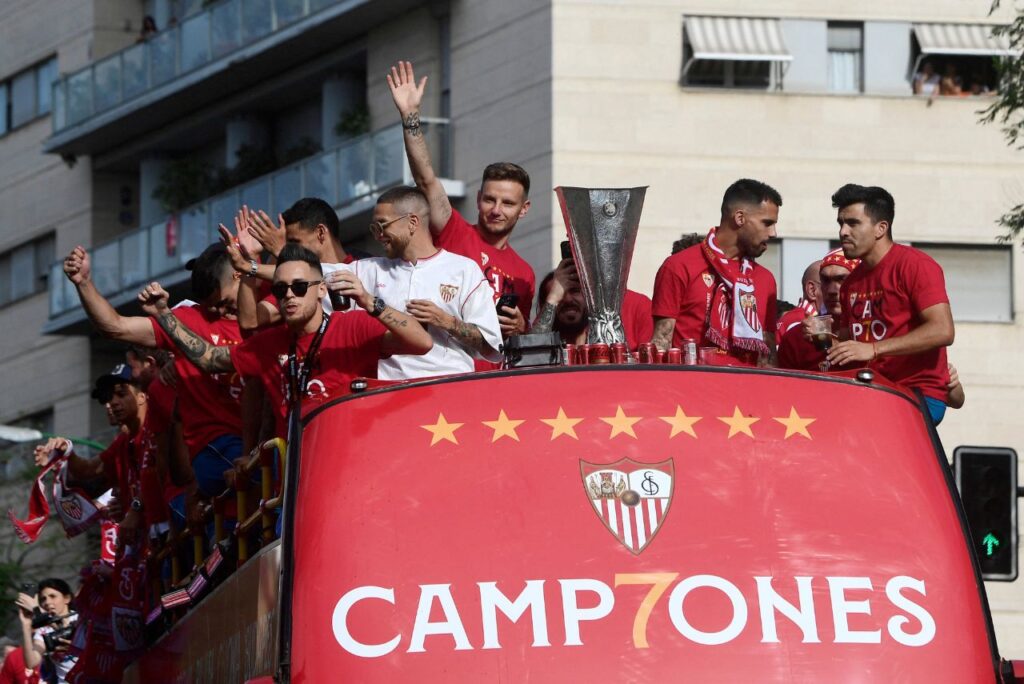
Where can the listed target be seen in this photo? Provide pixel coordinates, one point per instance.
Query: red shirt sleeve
(453, 232)
(928, 283)
(669, 289)
(366, 338)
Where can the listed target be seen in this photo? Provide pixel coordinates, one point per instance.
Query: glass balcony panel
(256, 19)
(105, 275)
(193, 233)
(355, 168)
(163, 57)
(225, 27)
(287, 189)
(56, 291)
(222, 210)
(190, 7)
(317, 5)
(322, 177)
(107, 83)
(163, 247)
(79, 96)
(288, 11)
(195, 42)
(60, 108)
(133, 73)
(134, 258)
(388, 157)
(256, 196)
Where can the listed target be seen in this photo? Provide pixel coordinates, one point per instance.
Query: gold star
(442, 429)
(795, 425)
(503, 427)
(738, 423)
(621, 423)
(562, 424)
(681, 423)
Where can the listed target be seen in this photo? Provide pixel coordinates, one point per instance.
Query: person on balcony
(209, 405)
(314, 355)
(503, 199)
(447, 293)
(715, 293)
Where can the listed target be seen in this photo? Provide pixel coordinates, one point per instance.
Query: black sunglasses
(299, 287)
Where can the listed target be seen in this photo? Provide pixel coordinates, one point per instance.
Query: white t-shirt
(456, 285)
(63, 663)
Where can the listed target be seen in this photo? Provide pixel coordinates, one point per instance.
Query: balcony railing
(347, 176)
(215, 32)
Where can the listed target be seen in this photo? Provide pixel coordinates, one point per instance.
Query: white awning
(962, 39)
(736, 38)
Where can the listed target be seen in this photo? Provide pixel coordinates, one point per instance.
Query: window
(956, 59)
(733, 52)
(845, 57)
(979, 280)
(27, 95)
(24, 269)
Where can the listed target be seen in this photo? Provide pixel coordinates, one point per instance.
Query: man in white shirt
(445, 292)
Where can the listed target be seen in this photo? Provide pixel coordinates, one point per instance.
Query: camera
(41, 619)
(52, 640)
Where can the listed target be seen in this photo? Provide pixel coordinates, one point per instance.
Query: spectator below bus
(53, 601)
(14, 670)
(895, 311)
(503, 199)
(715, 293)
(563, 308)
(445, 292)
(314, 355)
(208, 404)
(796, 352)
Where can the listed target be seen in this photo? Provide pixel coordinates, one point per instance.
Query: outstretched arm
(202, 354)
(131, 329)
(407, 96)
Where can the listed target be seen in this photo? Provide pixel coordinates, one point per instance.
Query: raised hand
(153, 299)
(76, 265)
(239, 262)
(249, 245)
(42, 453)
(269, 236)
(406, 94)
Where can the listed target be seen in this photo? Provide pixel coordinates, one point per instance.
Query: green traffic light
(990, 542)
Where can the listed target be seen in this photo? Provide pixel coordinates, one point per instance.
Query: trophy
(602, 225)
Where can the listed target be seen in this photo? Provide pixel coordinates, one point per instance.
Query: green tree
(1007, 110)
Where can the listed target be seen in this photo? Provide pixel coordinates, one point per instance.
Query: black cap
(105, 383)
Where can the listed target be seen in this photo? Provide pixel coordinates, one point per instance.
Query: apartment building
(145, 143)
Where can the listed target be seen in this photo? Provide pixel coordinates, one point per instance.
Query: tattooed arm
(466, 334)
(405, 335)
(663, 329)
(407, 96)
(545, 321)
(202, 354)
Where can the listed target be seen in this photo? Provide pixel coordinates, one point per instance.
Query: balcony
(349, 177)
(226, 48)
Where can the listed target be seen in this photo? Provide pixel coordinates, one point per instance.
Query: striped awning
(961, 39)
(736, 38)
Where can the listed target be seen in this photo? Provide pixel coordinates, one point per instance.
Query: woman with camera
(46, 628)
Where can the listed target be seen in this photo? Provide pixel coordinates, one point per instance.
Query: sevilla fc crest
(630, 498)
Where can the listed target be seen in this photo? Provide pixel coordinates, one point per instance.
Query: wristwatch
(136, 505)
(254, 268)
(378, 307)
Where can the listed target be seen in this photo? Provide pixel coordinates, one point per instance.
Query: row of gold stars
(621, 424)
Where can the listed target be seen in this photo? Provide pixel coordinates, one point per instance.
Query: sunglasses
(377, 227)
(299, 287)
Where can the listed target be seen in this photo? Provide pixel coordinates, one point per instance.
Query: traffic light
(987, 480)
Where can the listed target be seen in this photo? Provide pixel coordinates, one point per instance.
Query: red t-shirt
(886, 301)
(505, 270)
(350, 349)
(637, 321)
(13, 671)
(796, 352)
(129, 463)
(209, 405)
(160, 414)
(683, 289)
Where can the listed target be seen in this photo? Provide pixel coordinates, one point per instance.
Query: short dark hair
(878, 203)
(749, 191)
(294, 252)
(404, 195)
(161, 356)
(309, 212)
(500, 171)
(54, 583)
(208, 270)
(686, 240)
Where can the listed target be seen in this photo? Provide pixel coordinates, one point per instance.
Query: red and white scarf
(732, 320)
